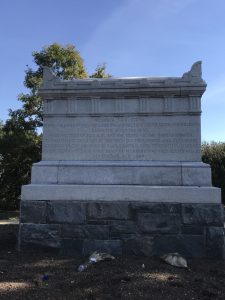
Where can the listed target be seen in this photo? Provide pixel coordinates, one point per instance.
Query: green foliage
(20, 140)
(65, 62)
(214, 155)
(19, 149)
(100, 72)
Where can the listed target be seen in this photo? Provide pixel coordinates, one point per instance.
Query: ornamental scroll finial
(48, 76)
(195, 74)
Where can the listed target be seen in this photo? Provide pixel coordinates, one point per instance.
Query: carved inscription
(122, 138)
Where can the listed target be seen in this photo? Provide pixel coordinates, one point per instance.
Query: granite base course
(132, 228)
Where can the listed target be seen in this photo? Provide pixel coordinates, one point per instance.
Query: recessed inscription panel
(174, 138)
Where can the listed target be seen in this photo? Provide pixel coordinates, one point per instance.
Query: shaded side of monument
(121, 170)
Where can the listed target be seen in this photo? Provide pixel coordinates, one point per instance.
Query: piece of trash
(45, 277)
(72, 281)
(94, 258)
(81, 268)
(143, 266)
(175, 259)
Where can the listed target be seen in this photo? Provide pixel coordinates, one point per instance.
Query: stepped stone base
(121, 170)
(180, 194)
(123, 227)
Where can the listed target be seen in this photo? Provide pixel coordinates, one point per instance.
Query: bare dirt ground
(22, 276)
(44, 276)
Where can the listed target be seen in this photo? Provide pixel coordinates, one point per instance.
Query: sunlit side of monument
(121, 170)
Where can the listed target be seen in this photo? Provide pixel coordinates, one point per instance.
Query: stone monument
(121, 170)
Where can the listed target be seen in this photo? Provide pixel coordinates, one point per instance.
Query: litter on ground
(94, 258)
(175, 259)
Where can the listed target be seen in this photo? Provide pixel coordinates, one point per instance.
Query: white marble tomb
(144, 132)
(121, 170)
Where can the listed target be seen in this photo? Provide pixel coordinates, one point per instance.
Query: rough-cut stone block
(158, 223)
(71, 247)
(192, 229)
(85, 231)
(98, 222)
(120, 228)
(109, 210)
(156, 208)
(33, 211)
(46, 174)
(109, 246)
(39, 235)
(210, 214)
(142, 246)
(187, 245)
(66, 212)
(192, 176)
(215, 242)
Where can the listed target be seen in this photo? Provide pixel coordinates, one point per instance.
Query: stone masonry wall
(132, 228)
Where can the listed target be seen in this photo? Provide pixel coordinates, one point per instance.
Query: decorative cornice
(190, 83)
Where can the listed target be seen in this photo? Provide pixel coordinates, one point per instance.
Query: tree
(19, 150)
(65, 62)
(100, 72)
(20, 138)
(214, 155)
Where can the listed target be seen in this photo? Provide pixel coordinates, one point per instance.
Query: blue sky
(134, 38)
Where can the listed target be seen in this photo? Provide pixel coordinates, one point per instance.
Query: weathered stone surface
(129, 138)
(71, 247)
(193, 229)
(33, 211)
(138, 175)
(154, 173)
(103, 210)
(119, 193)
(187, 245)
(81, 125)
(66, 212)
(145, 233)
(215, 242)
(39, 235)
(200, 176)
(44, 174)
(85, 231)
(158, 223)
(120, 228)
(156, 208)
(108, 246)
(211, 214)
(98, 222)
(142, 246)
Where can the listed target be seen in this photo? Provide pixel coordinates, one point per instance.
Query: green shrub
(214, 154)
